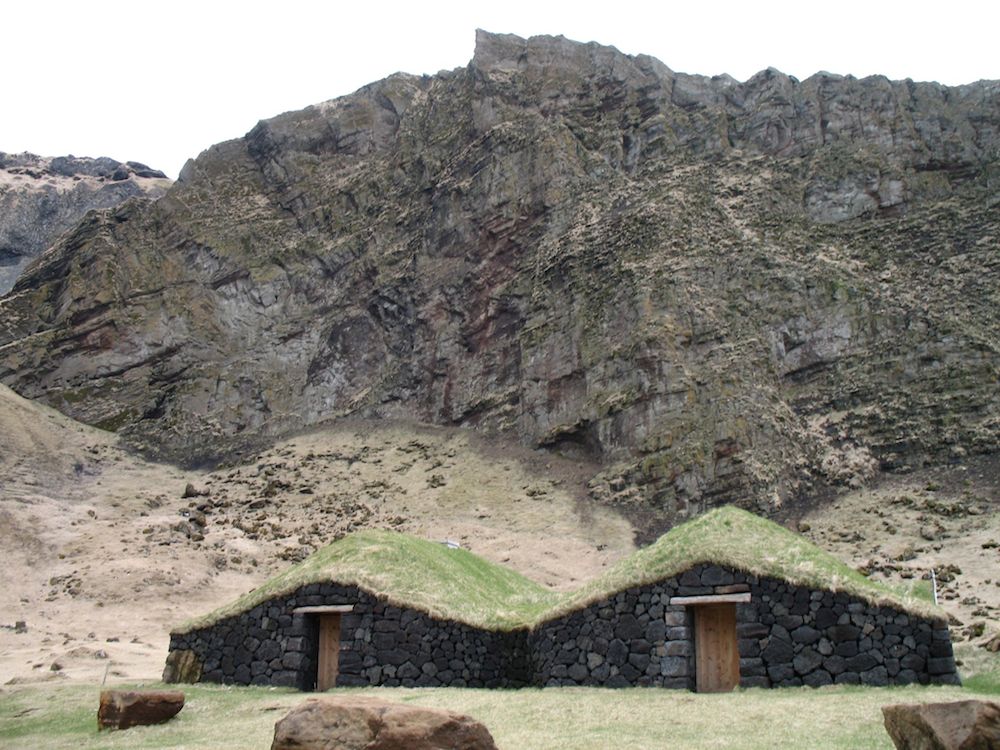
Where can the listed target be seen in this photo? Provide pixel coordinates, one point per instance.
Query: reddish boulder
(121, 709)
(962, 725)
(356, 723)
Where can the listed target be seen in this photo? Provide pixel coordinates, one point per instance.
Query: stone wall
(787, 636)
(380, 645)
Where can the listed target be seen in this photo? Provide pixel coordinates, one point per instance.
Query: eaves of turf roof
(454, 584)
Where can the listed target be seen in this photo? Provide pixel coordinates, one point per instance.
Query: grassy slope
(455, 584)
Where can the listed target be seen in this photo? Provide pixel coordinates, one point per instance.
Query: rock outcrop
(40, 198)
(722, 291)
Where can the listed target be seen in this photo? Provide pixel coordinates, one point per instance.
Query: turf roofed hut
(724, 600)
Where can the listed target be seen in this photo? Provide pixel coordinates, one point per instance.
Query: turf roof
(444, 582)
(458, 585)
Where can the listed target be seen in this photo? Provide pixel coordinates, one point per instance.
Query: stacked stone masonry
(787, 636)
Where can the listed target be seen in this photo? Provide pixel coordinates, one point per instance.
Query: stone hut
(727, 599)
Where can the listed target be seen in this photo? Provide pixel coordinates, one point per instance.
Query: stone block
(960, 724)
(943, 665)
(940, 649)
(805, 635)
(675, 618)
(639, 661)
(806, 661)
(752, 630)
(617, 652)
(817, 678)
(674, 666)
(752, 668)
(846, 649)
(842, 633)
(122, 709)
(778, 651)
(877, 677)
(824, 618)
(353, 723)
(780, 672)
(628, 627)
(713, 575)
(677, 648)
(690, 578)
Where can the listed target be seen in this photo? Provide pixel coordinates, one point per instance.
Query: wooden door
(329, 651)
(716, 652)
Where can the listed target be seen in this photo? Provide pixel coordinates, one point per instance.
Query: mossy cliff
(722, 291)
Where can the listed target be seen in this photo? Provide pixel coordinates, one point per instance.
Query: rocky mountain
(40, 198)
(717, 291)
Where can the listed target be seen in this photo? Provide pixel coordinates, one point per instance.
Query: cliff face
(723, 291)
(40, 198)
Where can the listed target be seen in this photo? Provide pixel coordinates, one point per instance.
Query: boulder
(182, 665)
(121, 709)
(962, 725)
(356, 723)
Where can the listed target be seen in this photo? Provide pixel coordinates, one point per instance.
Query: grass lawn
(215, 718)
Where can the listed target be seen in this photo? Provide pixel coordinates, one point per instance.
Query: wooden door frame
(327, 638)
(727, 662)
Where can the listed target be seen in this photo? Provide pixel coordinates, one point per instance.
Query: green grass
(455, 584)
(446, 583)
(980, 668)
(737, 539)
(58, 717)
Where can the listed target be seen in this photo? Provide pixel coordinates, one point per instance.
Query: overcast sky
(160, 82)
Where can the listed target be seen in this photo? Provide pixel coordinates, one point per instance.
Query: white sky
(159, 82)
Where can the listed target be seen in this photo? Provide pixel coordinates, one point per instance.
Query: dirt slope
(103, 554)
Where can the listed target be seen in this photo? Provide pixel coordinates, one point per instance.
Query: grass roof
(735, 538)
(457, 585)
(446, 583)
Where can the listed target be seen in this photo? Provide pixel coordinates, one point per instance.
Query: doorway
(322, 628)
(717, 658)
(329, 652)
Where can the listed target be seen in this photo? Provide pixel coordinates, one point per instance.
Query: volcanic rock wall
(40, 198)
(721, 291)
(787, 635)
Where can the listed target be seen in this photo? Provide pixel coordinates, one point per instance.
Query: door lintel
(693, 601)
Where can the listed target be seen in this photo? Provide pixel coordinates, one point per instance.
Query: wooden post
(329, 651)
(716, 650)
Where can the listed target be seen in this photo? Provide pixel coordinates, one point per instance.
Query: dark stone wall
(379, 645)
(633, 638)
(787, 636)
